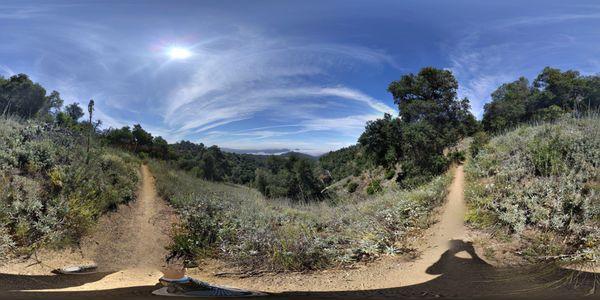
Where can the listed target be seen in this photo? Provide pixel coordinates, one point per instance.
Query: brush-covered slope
(541, 186)
(50, 193)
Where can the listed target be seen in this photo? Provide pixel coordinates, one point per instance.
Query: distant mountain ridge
(282, 152)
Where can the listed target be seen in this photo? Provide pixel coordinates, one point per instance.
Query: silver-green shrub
(49, 195)
(544, 178)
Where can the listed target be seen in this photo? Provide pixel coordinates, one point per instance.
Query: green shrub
(480, 139)
(374, 187)
(542, 178)
(389, 174)
(457, 157)
(352, 186)
(48, 193)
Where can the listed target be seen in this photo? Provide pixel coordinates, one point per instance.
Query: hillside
(259, 234)
(537, 189)
(50, 193)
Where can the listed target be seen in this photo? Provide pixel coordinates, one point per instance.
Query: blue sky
(301, 75)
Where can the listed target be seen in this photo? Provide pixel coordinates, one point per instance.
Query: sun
(179, 53)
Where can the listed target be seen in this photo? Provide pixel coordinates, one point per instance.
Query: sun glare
(179, 53)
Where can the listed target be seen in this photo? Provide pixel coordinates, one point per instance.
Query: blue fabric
(183, 279)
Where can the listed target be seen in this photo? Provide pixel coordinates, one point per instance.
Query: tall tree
(160, 147)
(91, 129)
(74, 111)
(141, 138)
(431, 96)
(382, 140)
(53, 103)
(508, 106)
(22, 97)
(554, 87)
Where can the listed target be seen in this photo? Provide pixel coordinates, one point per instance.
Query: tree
(591, 95)
(160, 148)
(53, 103)
(141, 138)
(215, 164)
(261, 181)
(431, 96)
(20, 96)
(553, 87)
(431, 119)
(552, 94)
(309, 187)
(508, 106)
(120, 137)
(74, 111)
(91, 129)
(382, 140)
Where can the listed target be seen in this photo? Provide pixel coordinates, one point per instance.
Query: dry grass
(239, 224)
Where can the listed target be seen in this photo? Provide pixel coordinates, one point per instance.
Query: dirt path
(128, 244)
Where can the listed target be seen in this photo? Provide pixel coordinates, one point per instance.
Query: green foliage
(431, 120)
(549, 114)
(352, 186)
(48, 194)
(389, 174)
(74, 111)
(508, 106)
(480, 139)
(239, 224)
(289, 177)
(552, 94)
(541, 178)
(456, 157)
(344, 162)
(374, 187)
(21, 97)
(431, 97)
(382, 140)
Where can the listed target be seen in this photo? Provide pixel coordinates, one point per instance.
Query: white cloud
(238, 77)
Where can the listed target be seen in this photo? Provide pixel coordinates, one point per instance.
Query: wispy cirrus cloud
(247, 77)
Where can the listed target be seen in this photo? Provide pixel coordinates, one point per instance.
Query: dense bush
(344, 162)
(48, 193)
(374, 187)
(352, 186)
(389, 174)
(239, 224)
(480, 139)
(543, 179)
(456, 157)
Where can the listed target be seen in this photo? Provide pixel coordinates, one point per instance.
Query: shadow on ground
(462, 274)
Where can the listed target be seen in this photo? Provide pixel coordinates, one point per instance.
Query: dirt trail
(128, 243)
